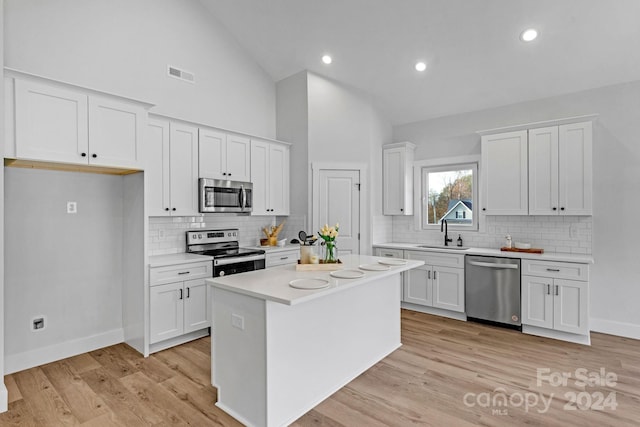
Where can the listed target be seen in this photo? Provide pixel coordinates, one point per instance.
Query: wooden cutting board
(529, 251)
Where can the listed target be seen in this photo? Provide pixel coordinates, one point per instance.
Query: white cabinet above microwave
(224, 155)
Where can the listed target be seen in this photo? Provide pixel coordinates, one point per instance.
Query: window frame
(420, 172)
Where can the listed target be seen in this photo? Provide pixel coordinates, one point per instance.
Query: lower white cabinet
(550, 300)
(178, 305)
(286, 257)
(439, 283)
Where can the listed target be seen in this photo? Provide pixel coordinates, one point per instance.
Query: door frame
(365, 206)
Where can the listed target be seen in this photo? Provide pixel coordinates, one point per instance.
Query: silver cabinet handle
(284, 257)
(548, 289)
(188, 293)
(391, 255)
(429, 274)
(180, 294)
(492, 265)
(556, 290)
(183, 272)
(434, 275)
(555, 270)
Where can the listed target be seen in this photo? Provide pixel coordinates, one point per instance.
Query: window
(449, 192)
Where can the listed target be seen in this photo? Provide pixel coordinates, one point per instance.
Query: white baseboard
(4, 397)
(556, 335)
(433, 310)
(41, 356)
(621, 329)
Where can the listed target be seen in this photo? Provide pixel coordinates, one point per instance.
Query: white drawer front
(437, 258)
(282, 258)
(177, 273)
(556, 270)
(390, 253)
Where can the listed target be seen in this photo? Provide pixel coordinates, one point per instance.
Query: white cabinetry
(285, 257)
(61, 124)
(503, 175)
(439, 283)
(270, 177)
(224, 155)
(555, 295)
(397, 178)
(178, 300)
(172, 169)
(560, 170)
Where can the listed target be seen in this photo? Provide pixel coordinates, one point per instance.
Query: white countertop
(272, 284)
(547, 256)
(175, 259)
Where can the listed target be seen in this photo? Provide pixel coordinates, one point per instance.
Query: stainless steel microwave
(218, 195)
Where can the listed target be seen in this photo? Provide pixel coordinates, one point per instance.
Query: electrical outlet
(72, 207)
(37, 323)
(237, 321)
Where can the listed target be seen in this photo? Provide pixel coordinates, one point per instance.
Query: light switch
(237, 321)
(72, 207)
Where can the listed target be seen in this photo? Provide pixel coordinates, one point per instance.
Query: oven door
(225, 196)
(227, 266)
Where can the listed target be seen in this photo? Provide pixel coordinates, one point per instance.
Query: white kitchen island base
(272, 362)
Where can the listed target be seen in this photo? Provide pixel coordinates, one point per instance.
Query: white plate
(374, 267)
(391, 261)
(347, 274)
(309, 283)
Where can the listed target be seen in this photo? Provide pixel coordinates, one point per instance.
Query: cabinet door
(166, 310)
(393, 162)
(260, 177)
(157, 168)
(51, 123)
(537, 301)
(571, 306)
(238, 156)
(448, 288)
(183, 170)
(417, 286)
(212, 162)
(115, 133)
(389, 253)
(503, 176)
(543, 171)
(196, 313)
(575, 169)
(278, 179)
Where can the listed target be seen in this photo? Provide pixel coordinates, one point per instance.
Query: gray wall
(616, 153)
(67, 267)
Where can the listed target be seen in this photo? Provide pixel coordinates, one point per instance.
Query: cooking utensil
(303, 237)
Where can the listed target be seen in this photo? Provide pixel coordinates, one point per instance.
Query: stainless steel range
(228, 256)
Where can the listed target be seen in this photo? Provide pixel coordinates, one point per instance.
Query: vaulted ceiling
(475, 58)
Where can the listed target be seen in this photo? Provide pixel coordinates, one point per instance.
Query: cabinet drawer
(391, 253)
(436, 258)
(178, 273)
(556, 270)
(282, 258)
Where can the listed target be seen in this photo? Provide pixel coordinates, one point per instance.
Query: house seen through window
(448, 193)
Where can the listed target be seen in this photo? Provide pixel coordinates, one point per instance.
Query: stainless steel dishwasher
(492, 290)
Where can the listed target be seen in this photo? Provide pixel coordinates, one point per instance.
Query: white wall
(66, 267)
(3, 389)
(616, 152)
(124, 47)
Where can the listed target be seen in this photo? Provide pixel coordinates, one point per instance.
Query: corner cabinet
(224, 155)
(270, 177)
(503, 176)
(172, 168)
(59, 123)
(560, 170)
(397, 178)
(555, 296)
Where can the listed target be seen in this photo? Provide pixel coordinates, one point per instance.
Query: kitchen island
(277, 351)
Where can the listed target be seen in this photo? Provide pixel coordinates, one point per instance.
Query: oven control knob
(235, 234)
(221, 273)
(229, 234)
(194, 236)
(199, 236)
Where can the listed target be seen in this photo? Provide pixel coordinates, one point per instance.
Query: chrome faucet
(445, 225)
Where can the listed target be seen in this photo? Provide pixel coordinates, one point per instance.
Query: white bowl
(520, 245)
(282, 242)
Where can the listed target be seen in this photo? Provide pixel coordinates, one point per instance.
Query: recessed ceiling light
(529, 35)
(327, 59)
(421, 66)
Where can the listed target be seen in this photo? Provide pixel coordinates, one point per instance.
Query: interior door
(338, 201)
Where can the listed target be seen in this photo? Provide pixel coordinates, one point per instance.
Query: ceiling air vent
(181, 74)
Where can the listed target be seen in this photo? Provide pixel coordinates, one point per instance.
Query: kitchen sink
(455, 248)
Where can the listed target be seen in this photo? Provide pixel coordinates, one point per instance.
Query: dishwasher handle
(493, 265)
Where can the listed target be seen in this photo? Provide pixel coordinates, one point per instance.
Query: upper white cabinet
(63, 124)
(224, 155)
(560, 170)
(397, 178)
(503, 176)
(270, 177)
(171, 169)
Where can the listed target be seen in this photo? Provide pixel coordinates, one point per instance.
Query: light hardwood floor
(447, 373)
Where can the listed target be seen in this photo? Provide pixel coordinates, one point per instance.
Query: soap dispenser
(459, 240)
(508, 237)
